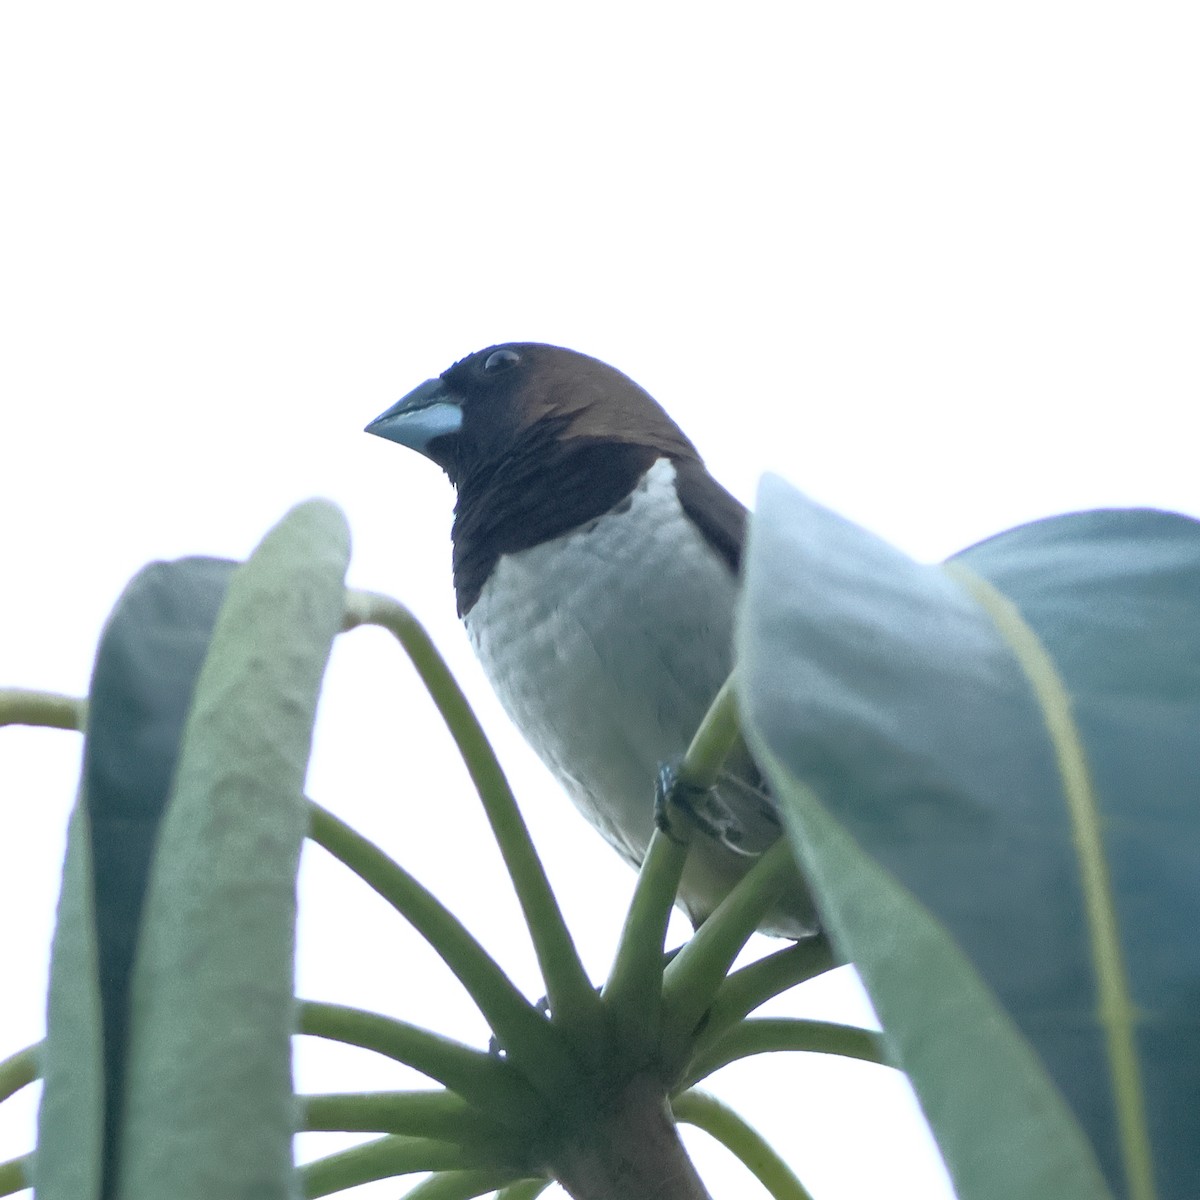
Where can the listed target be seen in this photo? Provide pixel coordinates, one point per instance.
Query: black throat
(540, 491)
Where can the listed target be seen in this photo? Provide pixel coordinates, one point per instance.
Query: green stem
(485, 1081)
(768, 1035)
(524, 1189)
(465, 1185)
(633, 993)
(740, 1139)
(19, 1070)
(573, 1003)
(25, 706)
(532, 1043)
(428, 1114)
(716, 737)
(694, 976)
(16, 1175)
(388, 1156)
(744, 990)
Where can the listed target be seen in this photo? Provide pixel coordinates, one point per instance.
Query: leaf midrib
(1115, 1008)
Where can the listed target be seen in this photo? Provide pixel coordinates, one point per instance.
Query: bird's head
(501, 401)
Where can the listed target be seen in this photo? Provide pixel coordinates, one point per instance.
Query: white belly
(606, 647)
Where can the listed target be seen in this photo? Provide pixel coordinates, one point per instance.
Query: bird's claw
(700, 808)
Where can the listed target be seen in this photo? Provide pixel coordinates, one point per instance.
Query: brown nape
(596, 401)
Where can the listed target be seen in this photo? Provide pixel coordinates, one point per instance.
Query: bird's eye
(501, 360)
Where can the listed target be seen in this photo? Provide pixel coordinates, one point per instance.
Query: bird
(596, 568)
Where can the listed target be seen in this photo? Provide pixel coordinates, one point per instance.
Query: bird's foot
(701, 808)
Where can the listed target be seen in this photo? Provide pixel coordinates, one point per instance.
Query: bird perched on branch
(596, 569)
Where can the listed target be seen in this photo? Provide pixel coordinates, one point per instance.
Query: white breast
(606, 647)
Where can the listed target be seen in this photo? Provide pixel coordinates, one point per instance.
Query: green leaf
(69, 1163)
(1014, 873)
(1103, 611)
(209, 1110)
(150, 653)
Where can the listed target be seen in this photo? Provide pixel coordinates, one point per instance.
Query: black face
(498, 390)
(550, 439)
(490, 376)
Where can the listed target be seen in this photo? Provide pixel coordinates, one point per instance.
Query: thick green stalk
(694, 976)
(524, 1189)
(485, 1081)
(388, 1156)
(745, 1143)
(573, 1002)
(16, 1175)
(744, 990)
(427, 1114)
(465, 1185)
(770, 1035)
(714, 739)
(25, 706)
(530, 1040)
(633, 993)
(19, 1070)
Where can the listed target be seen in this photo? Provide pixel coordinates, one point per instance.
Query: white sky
(936, 263)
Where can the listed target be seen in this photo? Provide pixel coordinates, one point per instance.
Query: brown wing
(718, 515)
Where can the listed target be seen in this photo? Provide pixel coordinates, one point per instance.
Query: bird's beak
(427, 412)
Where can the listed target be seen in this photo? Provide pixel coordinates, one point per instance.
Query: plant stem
(573, 1002)
(714, 739)
(744, 990)
(25, 706)
(633, 993)
(694, 976)
(533, 1044)
(631, 1148)
(768, 1035)
(464, 1185)
(486, 1082)
(429, 1114)
(16, 1175)
(524, 1189)
(745, 1143)
(390, 1156)
(19, 1069)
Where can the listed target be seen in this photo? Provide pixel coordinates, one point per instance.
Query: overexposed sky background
(937, 264)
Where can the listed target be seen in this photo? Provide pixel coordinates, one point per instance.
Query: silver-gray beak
(427, 412)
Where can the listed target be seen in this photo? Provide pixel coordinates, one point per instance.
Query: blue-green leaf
(69, 1163)
(1014, 873)
(149, 656)
(1103, 611)
(209, 1110)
